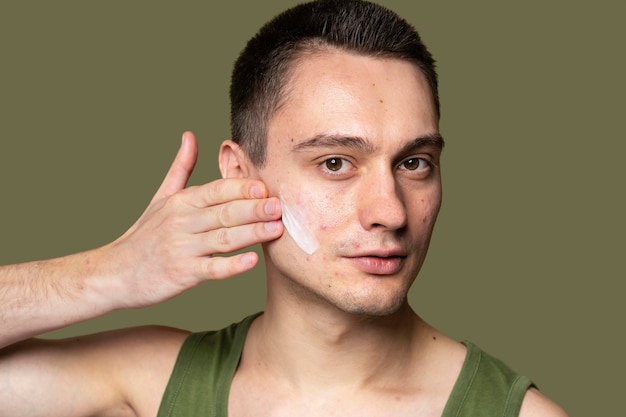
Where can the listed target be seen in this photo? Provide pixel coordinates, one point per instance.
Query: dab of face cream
(297, 225)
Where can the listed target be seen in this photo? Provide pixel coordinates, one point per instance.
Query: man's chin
(374, 308)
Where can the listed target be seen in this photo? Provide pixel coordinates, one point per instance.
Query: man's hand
(172, 246)
(170, 249)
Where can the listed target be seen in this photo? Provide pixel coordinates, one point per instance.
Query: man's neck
(326, 348)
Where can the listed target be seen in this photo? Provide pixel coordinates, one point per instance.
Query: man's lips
(378, 265)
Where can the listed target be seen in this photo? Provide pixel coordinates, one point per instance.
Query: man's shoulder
(150, 348)
(128, 368)
(485, 377)
(145, 357)
(483, 380)
(536, 404)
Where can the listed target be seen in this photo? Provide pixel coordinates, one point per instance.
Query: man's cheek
(299, 218)
(298, 225)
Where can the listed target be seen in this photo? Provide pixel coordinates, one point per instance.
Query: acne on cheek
(307, 216)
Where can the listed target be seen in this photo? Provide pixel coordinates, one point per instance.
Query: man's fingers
(222, 267)
(181, 169)
(244, 212)
(230, 239)
(224, 190)
(232, 214)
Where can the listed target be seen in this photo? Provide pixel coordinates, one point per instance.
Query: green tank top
(200, 382)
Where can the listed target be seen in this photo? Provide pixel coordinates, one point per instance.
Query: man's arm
(115, 373)
(167, 251)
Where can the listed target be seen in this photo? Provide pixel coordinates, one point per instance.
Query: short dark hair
(262, 70)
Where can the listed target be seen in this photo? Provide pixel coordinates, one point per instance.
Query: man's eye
(414, 164)
(333, 164)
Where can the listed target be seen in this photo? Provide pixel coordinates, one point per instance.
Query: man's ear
(233, 161)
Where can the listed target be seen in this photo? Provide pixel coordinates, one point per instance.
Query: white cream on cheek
(298, 225)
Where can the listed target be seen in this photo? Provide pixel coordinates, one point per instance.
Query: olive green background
(528, 256)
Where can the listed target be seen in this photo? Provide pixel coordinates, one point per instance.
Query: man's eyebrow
(355, 142)
(433, 140)
(333, 141)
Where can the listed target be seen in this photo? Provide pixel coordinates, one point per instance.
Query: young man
(335, 132)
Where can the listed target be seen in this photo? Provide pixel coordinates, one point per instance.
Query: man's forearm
(41, 296)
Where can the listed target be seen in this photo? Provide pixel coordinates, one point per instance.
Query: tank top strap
(201, 378)
(486, 387)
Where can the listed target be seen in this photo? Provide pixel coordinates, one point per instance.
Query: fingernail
(249, 259)
(270, 207)
(271, 226)
(256, 191)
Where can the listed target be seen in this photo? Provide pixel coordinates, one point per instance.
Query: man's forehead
(337, 69)
(340, 97)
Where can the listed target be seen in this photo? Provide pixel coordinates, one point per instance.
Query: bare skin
(358, 137)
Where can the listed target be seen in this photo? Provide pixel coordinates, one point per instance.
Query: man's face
(353, 155)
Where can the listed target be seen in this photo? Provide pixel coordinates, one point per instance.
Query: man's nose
(381, 203)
